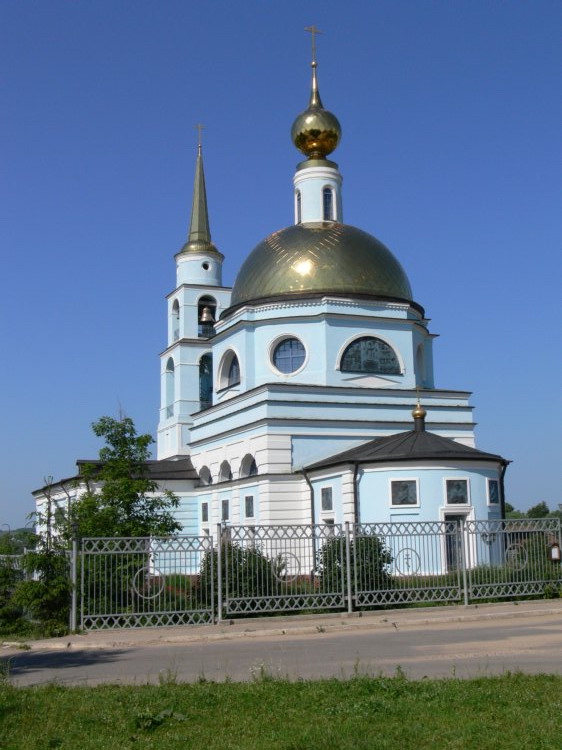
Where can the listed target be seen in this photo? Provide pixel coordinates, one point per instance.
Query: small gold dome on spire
(316, 132)
(418, 412)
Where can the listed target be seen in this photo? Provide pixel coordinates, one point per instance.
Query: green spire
(199, 237)
(199, 225)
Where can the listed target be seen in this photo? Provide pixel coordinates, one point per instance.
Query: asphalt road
(530, 643)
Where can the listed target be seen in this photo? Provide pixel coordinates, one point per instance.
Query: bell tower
(186, 365)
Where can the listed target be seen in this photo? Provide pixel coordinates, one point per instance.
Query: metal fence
(249, 570)
(146, 582)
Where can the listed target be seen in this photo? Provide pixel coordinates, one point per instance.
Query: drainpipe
(312, 521)
(502, 493)
(312, 509)
(355, 493)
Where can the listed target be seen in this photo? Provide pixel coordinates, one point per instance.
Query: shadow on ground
(51, 666)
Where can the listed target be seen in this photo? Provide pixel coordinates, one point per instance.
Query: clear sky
(451, 117)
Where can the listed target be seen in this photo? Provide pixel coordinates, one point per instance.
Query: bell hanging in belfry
(207, 315)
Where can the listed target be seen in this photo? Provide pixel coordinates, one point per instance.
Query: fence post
(73, 583)
(464, 560)
(348, 567)
(219, 573)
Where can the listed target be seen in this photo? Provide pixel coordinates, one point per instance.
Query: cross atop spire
(315, 100)
(313, 31)
(199, 127)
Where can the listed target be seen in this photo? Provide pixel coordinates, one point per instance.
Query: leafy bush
(250, 573)
(369, 558)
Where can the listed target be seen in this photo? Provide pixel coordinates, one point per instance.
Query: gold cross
(313, 30)
(199, 128)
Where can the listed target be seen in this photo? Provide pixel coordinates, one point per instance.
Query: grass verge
(511, 711)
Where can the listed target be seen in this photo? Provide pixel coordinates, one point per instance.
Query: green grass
(512, 711)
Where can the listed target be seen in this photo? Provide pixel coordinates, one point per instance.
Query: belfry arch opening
(206, 317)
(175, 320)
(170, 383)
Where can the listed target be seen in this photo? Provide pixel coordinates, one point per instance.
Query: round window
(288, 355)
(205, 266)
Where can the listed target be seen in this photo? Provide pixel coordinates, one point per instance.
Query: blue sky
(451, 115)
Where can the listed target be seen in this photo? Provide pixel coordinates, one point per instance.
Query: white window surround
(404, 506)
(224, 367)
(271, 349)
(449, 505)
(368, 334)
(457, 510)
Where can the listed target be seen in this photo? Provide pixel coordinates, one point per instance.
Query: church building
(305, 393)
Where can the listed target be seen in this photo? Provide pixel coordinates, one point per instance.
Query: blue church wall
(428, 488)
(187, 513)
(328, 507)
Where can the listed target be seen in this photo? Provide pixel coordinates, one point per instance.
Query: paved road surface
(528, 640)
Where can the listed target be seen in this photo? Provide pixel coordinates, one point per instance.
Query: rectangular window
(329, 523)
(205, 512)
(205, 532)
(493, 492)
(249, 506)
(403, 492)
(327, 503)
(457, 491)
(225, 510)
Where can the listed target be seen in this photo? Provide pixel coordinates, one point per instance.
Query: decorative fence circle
(147, 583)
(407, 561)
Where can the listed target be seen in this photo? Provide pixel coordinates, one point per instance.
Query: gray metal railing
(146, 582)
(249, 570)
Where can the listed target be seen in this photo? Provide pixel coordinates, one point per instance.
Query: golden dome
(320, 257)
(418, 412)
(316, 132)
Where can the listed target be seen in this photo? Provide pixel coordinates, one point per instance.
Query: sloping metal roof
(413, 445)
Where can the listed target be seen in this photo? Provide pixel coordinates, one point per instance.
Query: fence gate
(398, 563)
(512, 558)
(281, 568)
(146, 582)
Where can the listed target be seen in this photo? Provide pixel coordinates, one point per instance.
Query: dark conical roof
(413, 445)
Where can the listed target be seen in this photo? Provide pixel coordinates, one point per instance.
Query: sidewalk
(293, 625)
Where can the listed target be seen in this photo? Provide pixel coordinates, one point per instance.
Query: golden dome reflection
(320, 257)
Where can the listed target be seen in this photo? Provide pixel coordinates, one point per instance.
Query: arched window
(234, 371)
(175, 320)
(206, 381)
(229, 370)
(225, 472)
(298, 199)
(206, 316)
(248, 467)
(369, 354)
(205, 475)
(328, 204)
(170, 387)
(288, 355)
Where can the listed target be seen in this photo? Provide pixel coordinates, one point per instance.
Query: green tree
(540, 510)
(121, 498)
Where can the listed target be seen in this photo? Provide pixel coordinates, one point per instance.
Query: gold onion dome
(316, 132)
(320, 258)
(418, 412)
